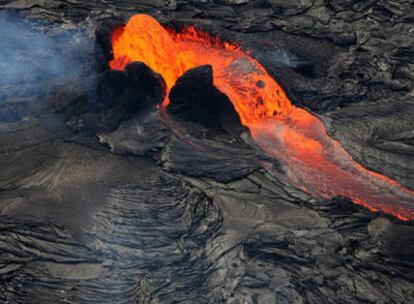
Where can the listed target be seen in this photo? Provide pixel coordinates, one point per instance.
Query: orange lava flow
(314, 162)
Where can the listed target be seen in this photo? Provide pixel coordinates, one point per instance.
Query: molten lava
(314, 162)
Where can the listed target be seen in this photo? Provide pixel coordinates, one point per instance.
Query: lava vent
(314, 162)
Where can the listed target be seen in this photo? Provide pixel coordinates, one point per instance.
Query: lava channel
(314, 162)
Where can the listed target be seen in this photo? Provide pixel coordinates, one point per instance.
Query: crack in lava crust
(314, 162)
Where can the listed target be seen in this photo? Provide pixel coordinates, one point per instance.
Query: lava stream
(314, 162)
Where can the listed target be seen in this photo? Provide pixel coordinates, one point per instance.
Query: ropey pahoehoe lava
(314, 162)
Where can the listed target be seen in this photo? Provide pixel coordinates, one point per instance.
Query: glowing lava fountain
(314, 162)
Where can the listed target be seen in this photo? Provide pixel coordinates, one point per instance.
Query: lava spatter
(314, 162)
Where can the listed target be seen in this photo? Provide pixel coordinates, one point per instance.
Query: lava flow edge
(314, 162)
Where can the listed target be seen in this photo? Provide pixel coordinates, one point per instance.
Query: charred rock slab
(120, 96)
(103, 43)
(194, 98)
(212, 159)
(138, 136)
(136, 88)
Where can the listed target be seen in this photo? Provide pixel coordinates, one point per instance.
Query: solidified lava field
(228, 151)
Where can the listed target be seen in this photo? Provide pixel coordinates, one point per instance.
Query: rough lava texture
(175, 211)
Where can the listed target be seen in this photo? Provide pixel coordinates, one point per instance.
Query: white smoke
(277, 58)
(281, 58)
(35, 58)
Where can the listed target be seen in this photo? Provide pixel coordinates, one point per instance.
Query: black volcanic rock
(111, 84)
(207, 158)
(145, 82)
(128, 92)
(194, 98)
(142, 135)
(103, 42)
(119, 96)
(76, 218)
(137, 87)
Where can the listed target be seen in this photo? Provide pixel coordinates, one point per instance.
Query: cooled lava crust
(109, 196)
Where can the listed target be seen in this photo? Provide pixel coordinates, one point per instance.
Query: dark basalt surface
(194, 98)
(104, 199)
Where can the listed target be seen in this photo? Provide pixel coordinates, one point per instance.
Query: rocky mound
(165, 218)
(195, 98)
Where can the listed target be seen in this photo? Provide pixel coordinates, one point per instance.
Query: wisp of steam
(35, 59)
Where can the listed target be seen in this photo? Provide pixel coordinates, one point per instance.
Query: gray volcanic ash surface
(105, 199)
